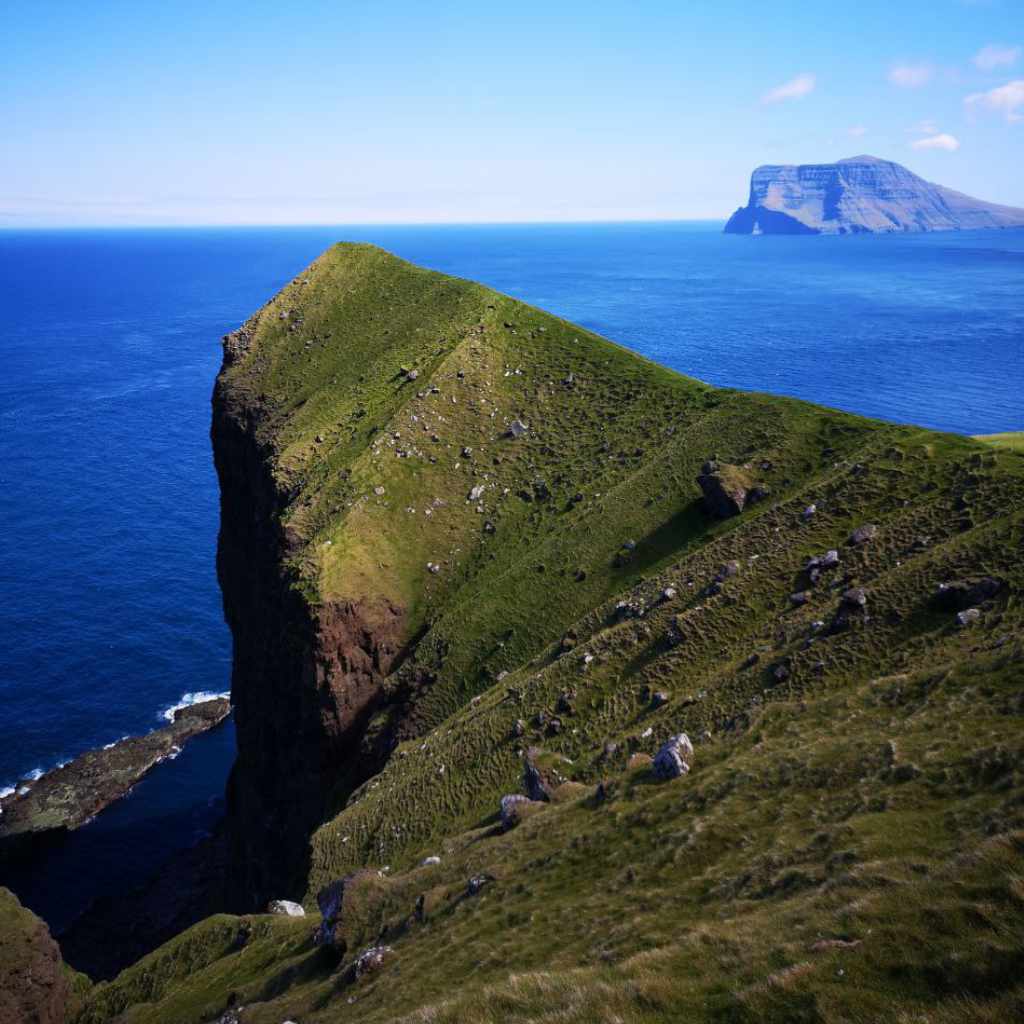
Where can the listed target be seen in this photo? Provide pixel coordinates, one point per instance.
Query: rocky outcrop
(34, 985)
(726, 488)
(862, 194)
(69, 796)
(305, 677)
(674, 757)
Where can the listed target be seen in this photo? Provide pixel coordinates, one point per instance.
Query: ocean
(109, 344)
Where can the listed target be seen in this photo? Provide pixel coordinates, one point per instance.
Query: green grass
(702, 898)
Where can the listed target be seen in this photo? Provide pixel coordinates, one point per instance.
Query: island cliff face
(862, 194)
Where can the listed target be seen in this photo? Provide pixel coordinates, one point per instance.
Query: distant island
(860, 195)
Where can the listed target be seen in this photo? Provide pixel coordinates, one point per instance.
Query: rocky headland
(859, 195)
(567, 685)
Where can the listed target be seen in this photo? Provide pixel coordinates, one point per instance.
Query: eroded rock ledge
(67, 797)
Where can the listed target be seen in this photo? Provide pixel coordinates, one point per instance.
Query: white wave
(36, 773)
(6, 791)
(188, 699)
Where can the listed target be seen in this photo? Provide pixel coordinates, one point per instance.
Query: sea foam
(188, 699)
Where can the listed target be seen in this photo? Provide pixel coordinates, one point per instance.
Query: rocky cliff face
(859, 195)
(34, 986)
(306, 676)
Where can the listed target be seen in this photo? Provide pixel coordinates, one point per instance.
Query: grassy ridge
(857, 778)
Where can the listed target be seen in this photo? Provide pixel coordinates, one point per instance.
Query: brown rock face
(33, 985)
(305, 680)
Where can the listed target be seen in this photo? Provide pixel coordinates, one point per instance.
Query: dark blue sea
(109, 343)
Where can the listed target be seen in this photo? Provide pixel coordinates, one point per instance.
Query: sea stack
(860, 195)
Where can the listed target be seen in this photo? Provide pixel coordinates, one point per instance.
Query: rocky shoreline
(61, 800)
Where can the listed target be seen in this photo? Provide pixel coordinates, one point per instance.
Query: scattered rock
(829, 560)
(968, 616)
(370, 961)
(286, 908)
(629, 610)
(863, 534)
(477, 882)
(659, 699)
(513, 807)
(477, 492)
(517, 428)
(799, 598)
(430, 862)
(674, 757)
(809, 512)
(853, 605)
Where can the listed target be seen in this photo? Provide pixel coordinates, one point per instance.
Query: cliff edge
(862, 194)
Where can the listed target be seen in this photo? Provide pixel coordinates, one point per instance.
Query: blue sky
(223, 112)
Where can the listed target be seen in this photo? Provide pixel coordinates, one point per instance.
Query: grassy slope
(706, 893)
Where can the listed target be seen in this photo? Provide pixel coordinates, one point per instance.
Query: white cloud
(856, 131)
(926, 127)
(794, 89)
(1004, 99)
(943, 141)
(988, 58)
(910, 76)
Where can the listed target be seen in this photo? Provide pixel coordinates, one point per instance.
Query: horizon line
(361, 224)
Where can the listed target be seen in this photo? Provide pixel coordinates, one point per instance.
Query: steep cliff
(306, 672)
(861, 194)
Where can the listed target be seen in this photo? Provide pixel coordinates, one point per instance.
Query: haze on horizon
(132, 114)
